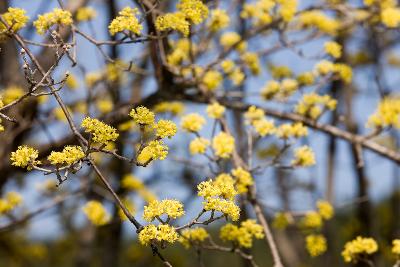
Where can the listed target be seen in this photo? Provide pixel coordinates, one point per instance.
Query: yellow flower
(229, 39)
(253, 114)
(71, 82)
(396, 247)
(173, 21)
(193, 236)
(303, 156)
(316, 245)
(11, 93)
(312, 219)
(15, 18)
(25, 157)
(10, 201)
(104, 105)
(270, 90)
(282, 220)
(391, 17)
(170, 207)
(344, 72)
(333, 48)
(318, 19)
(288, 9)
(47, 20)
(130, 182)
(142, 115)
(194, 10)
(359, 247)
(264, 127)
(126, 21)
(258, 11)
(288, 130)
(242, 235)
(165, 128)
(192, 122)
(312, 105)
(387, 113)
(212, 80)
(325, 209)
(198, 145)
(96, 213)
(154, 150)
(160, 233)
(173, 107)
(243, 179)
(85, 14)
(68, 156)
(101, 132)
(252, 61)
(306, 78)
(219, 20)
(215, 110)
(223, 145)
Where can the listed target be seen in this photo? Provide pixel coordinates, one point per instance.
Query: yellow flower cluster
(256, 117)
(215, 110)
(15, 18)
(114, 71)
(96, 213)
(219, 20)
(165, 128)
(68, 156)
(306, 78)
(343, 71)
(126, 21)
(279, 90)
(189, 11)
(193, 122)
(253, 114)
(312, 219)
(288, 130)
(154, 150)
(325, 209)
(287, 9)
(132, 183)
(198, 145)
(390, 17)
(174, 107)
(396, 247)
(47, 20)
(212, 80)
(25, 157)
(313, 105)
(170, 207)
(101, 132)
(11, 93)
(235, 74)
(333, 48)
(85, 14)
(104, 105)
(282, 220)
(243, 179)
(320, 21)
(180, 52)
(303, 156)
(316, 245)
(223, 145)
(160, 233)
(219, 195)
(243, 235)
(252, 61)
(71, 82)
(232, 39)
(9, 202)
(387, 114)
(259, 11)
(359, 247)
(193, 236)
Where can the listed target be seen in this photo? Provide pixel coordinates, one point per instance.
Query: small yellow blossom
(313, 105)
(142, 115)
(321, 21)
(68, 156)
(387, 114)
(160, 233)
(71, 82)
(243, 179)
(173, 21)
(10, 201)
(303, 156)
(312, 219)
(287, 9)
(264, 127)
(11, 93)
(316, 245)
(215, 110)
(270, 90)
(193, 236)
(104, 105)
(306, 78)
(359, 247)
(223, 145)
(242, 235)
(15, 18)
(198, 145)
(96, 213)
(288, 130)
(253, 114)
(25, 157)
(391, 17)
(212, 80)
(154, 150)
(101, 132)
(170, 207)
(194, 10)
(252, 61)
(85, 14)
(193, 122)
(325, 209)
(165, 128)
(126, 21)
(282, 220)
(219, 20)
(47, 20)
(396, 247)
(130, 182)
(174, 107)
(333, 48)
(230, 39)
